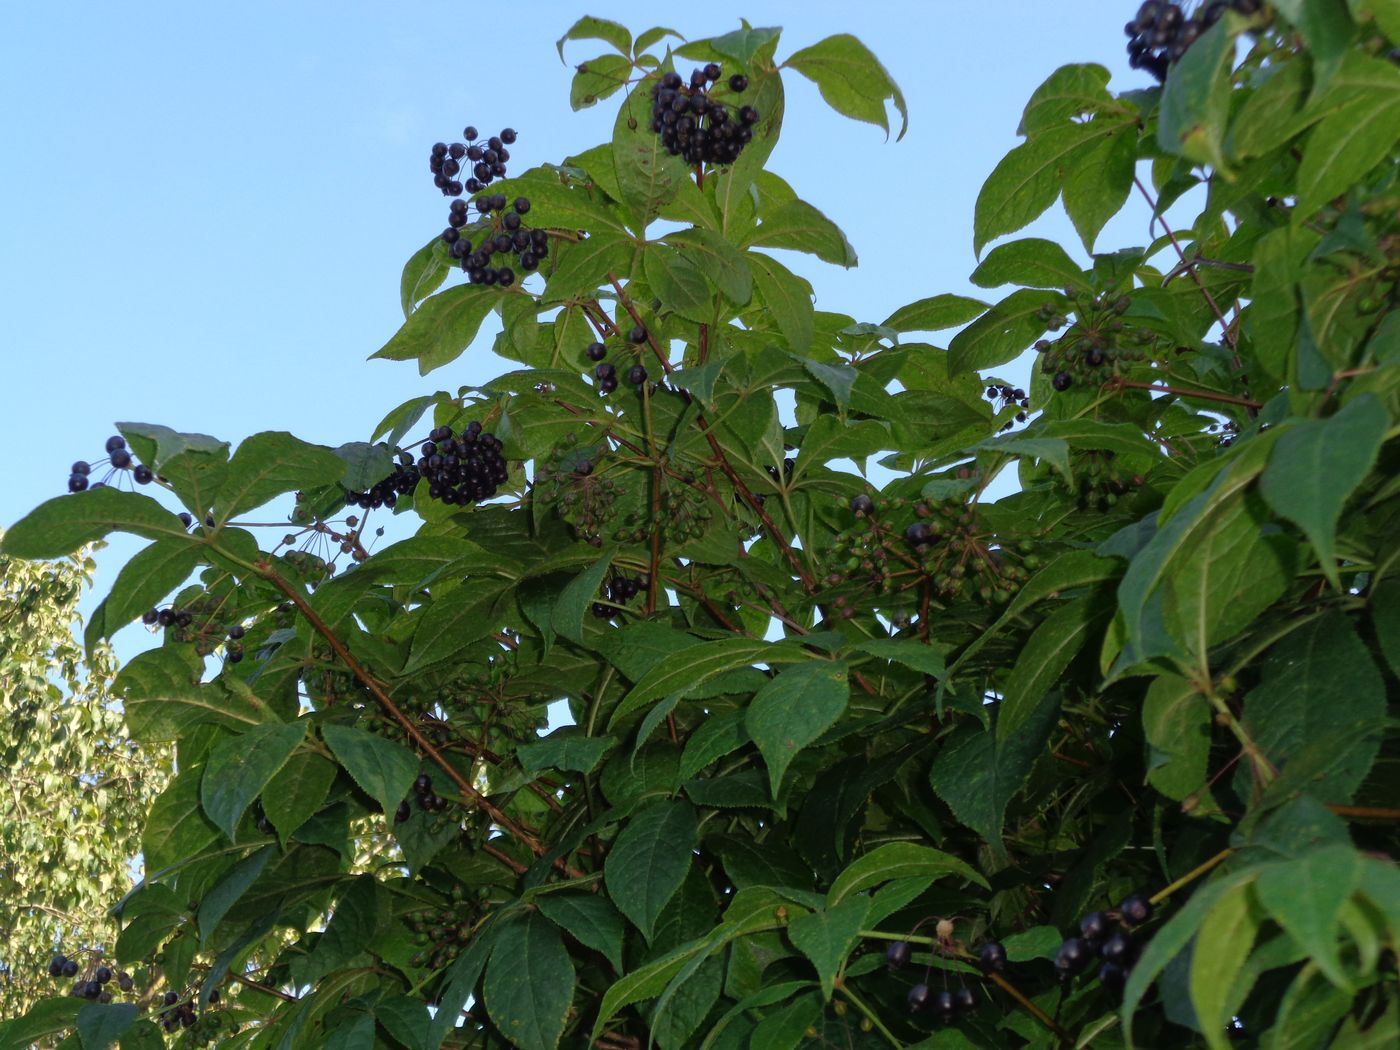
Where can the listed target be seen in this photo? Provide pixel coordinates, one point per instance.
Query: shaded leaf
(793, 709)
(241, 766)
(384, 769)
(649, 860)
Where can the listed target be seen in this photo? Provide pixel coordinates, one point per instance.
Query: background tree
(76, 788)
(1108, 761)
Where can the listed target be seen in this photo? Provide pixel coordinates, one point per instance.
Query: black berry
(115, 442)
(1118, 948)
(596, 351)
(121, 458)
(143, 474)
(1062, 381)
(638, 334)
(1135, 909)
(77, 482)
(992, 957)
(636, 375)
(1074, 955)
(1094, 927)
(897, 955)
(918, 998)
(738, 82)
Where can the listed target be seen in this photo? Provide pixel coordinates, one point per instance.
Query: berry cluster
(503, 232)
(605, 373)
(92, 988)
(946, 546)
(118, 458)
(446, 161)
(684, 515)
(441, 932)
(1106, 936)
(619, 590)
(180, 1013)
(947, 1004)
(1002, 396)
(1097, 343)
(461, 469)
(1098, 481)
(428, 800)
(696, 126)
(1162, 32)
(585, 498)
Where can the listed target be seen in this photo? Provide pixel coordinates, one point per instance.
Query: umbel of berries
(700, 122)
(1162, 32)
(481, 163)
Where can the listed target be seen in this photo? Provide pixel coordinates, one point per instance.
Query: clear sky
(207, 206)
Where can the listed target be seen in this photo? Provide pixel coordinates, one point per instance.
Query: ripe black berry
(170, 998)
(605, 371)
(439, 150)
(1118, 948)
(81, 467)
(638, 334)
(945, 1005)
(124, 981)
(919, 534)
(70, 968)
(862, 505)
(403, 812)
(522, 205)
(596, 351)
(992, 957)
(1072, 957)
(1135, 909)
(965, 999)
(469, 133)
(738, 82)
(115, 442)
(103, 974)
(636, 375)
(233, 653)
(1062, 381)
(1113, 977)
(507, 135)
(77, 482)
(918, 998)
(236, 632)
(186, 518)
(56, 965)
(1094, 927)
(897, 955)
(149, 617)
(143, 474)
(121, 458)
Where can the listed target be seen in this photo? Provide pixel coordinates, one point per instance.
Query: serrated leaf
(1031, 262)
(583, 267)
(1177, 721)
(270, 464)
(529, 982)
(851, 80)
(647, 175)
(1100, 180)
(1317, 464)
(384, 769)
(589, 919)
(798, 226)
(149, 576)
(590, 28)
(722, 263)
(1042, 659)
(1028, 180)
(1223, 943)
(459, 618)
(787, 297)
(61, 525)
(459, 984)
(793, 709)
(1306, 897)
(226, 892)
(240, 767)
(649, 860)
(678, 282)
(565, 748)
(826, 937)
(1001, 333)
(718, 735)
(176, 826)
(923, 657)
(441, 328)
(102, 1024)
(898, 860)
(354, 919)
(297, 790)
(1075, 90)
(598, 78)
(423, 274)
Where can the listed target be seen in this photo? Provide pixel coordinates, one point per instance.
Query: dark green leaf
(583, 267)
(101, 1024)
(680, 284)
(565, 748)
(935, 313)
(598, 78)
(590, 28)
(353, 922)
(240, 767)
(61, 525)
(851, 79)
(797, 225)
(1196, 100)
(1177, 721)
(1032, 262)
(176, 826)
(1100, 180)
(227, 891)
(1306, 897)
(269, 464)
(1028, 180)
(794, 709)
(898, 860)
(1223, 943)
(385, 770)
(1000, 334)
(1071, 91)
(647, 175)
(827, 936)
(649, 860)
(1042, 659)
(788, 298)
(423, 274)
(687, 669)
(297, 791)
(722, 263)
(589, 919)
(148, 577)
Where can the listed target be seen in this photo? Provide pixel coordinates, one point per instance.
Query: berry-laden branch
(477, 799)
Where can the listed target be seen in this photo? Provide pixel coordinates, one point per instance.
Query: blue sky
(209, 205)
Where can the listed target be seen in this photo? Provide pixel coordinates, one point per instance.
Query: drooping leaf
(241, 766)
(1031, 262)
(826, 936)
(441, 328)
(851, 79)
(898, 860)
(1196, 101)
(61, 525)
(649, 860)
(384, 769)
(793, 709)
(270, 464)
(590, 919)
(935, 313)
(1306, 897)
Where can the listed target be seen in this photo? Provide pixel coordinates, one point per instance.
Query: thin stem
(1040, 1015)
(1190, 877)
(1201, 395)
(869, 1014)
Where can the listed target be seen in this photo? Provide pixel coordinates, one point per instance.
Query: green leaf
(1000, 334)
(1031, 262)
(1306, 897)
(441, 328)
(583, 266)
(176, 826)
(788, 298)
(722, 263)
(354, 920)
(459, 618)
(1317, 464)
(1320, 688)
(977, 773)
(649, 860)
(935, 313)
(354, 1034)
(384, 769)
(565, 748)
(577, 598)
(47, 1017)
(598, 78)
(826, 937)
(239, 767)
(1196, 100)
(647, 175)
(689, 668)
(226, 892)
(589, 919)
(898, 860)
(920, 656)
(851, 80)
(1070, 91)
(797, 225)
(459, 984)
(149, 576)
(1039, 942)
(269, 464)
(1042, 659)
(297, 791)
(590, 28)
(678, 282)
(102, 1024)
(718, 735)
(1100, 180)
(1385, 615)
(529, 982)
(793, 709)
(1223, 943)
(423, 274)
(1177, 721)
(1028, 180)
(61, 525)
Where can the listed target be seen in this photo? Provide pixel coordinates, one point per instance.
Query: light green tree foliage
(74, 788)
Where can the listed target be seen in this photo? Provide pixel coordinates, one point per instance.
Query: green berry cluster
(683, 514)
(569, 479)
(1097, 343)
(946, 545)
(1098, 481)
(440, 932)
